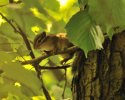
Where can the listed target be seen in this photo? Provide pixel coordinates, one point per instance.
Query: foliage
(17, 81)
(84, 32)
(85, 29)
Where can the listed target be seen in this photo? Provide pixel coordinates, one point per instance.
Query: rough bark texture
(102, 75)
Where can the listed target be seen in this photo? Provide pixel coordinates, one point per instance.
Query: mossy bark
(102, 75)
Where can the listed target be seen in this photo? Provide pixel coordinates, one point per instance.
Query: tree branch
(39, 59)
(18, 29)
(54, 67)
(9, 22)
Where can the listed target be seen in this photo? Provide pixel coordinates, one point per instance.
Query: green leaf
(26, 21)
(31, 21)
(7, 30)
(22, 51)
(12, 96)
(7, 56)
(11, 89)
(4, 44)
(24, 18)
(83, 32)
(49, 79)
(31, 3)
(108, 13)
(14, 72)
(53, 5)
(13, 40)
(3, 2)
(55, 59)
(57, 92)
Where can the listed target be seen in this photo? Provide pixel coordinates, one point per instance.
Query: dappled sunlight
(17, 84)
(66, 3)
(23, 58)
(41, 98)
(1, 20)
(35, 29)
(63, 2)
(16, 0)
(21, 21)
(29, 67)
(35, 11)
(38, 14)
(49, 26)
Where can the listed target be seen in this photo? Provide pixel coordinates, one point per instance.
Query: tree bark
(102, 75)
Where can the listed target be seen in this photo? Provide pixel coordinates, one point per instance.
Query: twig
(63, 94)
(9, 22)
(71, 49)
(54, 67)
(20, 31)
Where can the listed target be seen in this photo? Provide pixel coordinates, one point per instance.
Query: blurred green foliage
(33, 17)
(84, 26)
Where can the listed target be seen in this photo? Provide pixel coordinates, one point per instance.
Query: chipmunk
(53, 43)
(57, 42)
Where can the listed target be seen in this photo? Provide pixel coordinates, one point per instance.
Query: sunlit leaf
(1, 20)
(35, 29)
(83, 32)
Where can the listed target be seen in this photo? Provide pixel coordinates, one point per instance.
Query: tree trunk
(101, 77)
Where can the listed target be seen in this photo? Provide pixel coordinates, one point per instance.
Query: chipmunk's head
(39, 40)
